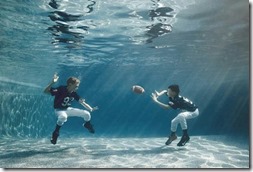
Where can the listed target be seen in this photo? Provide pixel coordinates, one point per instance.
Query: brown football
(138, 89)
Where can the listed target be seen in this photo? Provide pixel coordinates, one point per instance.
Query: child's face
(171, 93)
(73, 87)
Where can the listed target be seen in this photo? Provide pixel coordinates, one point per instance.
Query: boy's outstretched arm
(54, 80)
(87, 106)
(154, 96)
(158, 94)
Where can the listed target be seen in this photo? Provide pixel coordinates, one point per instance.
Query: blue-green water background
(202, 45)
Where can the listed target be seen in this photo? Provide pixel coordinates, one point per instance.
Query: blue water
(202, 45)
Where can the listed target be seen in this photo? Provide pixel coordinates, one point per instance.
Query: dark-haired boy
(64, 95)
(189, 110)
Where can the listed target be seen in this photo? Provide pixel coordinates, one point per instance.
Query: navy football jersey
(182, 103)
(63, 98)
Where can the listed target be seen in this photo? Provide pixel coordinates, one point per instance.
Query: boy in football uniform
(63, 96)
(189, 110)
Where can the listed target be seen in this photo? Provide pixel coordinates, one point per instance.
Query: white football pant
(70, 112)
(181, 119)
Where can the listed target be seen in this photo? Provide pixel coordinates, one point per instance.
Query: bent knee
(196, 113)
(62, 119)
(86, 115)
(175, 120)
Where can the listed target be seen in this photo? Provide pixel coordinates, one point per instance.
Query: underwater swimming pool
(110, 46)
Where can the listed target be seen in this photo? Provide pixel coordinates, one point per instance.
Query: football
(138, 89)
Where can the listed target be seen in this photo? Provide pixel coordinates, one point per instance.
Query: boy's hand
(156, 93)
(154, 97)
(55, 78)
(94, 108)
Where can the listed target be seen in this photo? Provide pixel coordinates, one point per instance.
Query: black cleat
(54, 137)
(171, 139)
(184, 140)
(89, 127)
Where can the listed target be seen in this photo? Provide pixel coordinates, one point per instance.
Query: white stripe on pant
(181, 118)
(70, 112)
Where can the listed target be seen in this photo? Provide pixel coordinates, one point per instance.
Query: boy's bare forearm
(82, 102)
(54, 80)
(87, 106)
(155, 96)
(161, 93)
(47, 89)
(165, 106)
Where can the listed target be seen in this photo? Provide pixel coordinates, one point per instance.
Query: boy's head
(73, 80)
(173, 90)
(73, 84)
